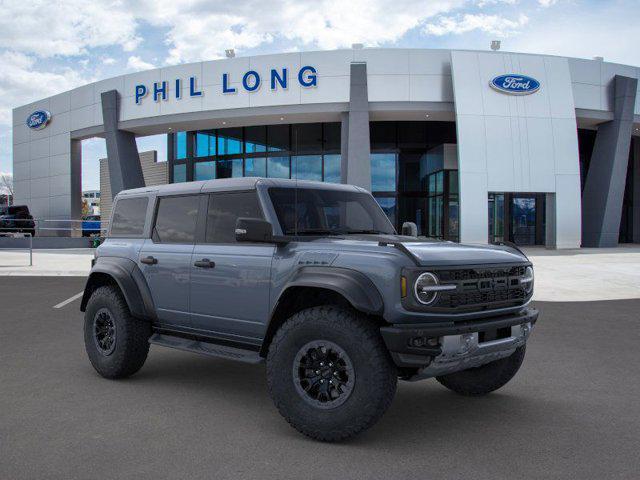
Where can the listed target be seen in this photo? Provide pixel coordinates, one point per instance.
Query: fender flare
(131, 282)
(356, 287)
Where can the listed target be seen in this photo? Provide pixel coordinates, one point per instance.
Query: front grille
(482, 288)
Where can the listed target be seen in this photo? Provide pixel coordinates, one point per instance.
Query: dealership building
(472, 146)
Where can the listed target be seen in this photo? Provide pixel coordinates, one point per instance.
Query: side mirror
(409, 229)
(253, 230)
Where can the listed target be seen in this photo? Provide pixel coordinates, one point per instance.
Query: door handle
(149, 260)
(204, 263)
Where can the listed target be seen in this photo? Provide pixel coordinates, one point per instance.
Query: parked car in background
(17, 219)
(90, 225)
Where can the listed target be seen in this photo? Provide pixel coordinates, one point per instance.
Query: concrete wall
(154, 172)
(509, 143)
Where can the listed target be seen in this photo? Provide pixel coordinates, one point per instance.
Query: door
(165, 259)
(523, 219)
(230, 281)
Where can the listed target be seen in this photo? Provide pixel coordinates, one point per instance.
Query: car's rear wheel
(486, 378)
(117, 343)
(329, 373)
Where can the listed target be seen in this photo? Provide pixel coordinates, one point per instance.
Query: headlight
(527, 280)
(426, 288)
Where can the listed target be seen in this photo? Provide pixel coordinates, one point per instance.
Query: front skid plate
(460, 352)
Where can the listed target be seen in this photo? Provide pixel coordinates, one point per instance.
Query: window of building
(129, 216)
(204, 170)
(383, 172)
(229, 168)
(332, 168)
(306, 138)
(205, 144)
(279, 167)
(223, 212)
(255, 167)
(306, 167)
(278, 138)
(229, 141)
(180, 173)
(180, 145)
(255, 139)
(176, 219)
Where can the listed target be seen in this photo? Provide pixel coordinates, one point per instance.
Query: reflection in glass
(205, 144)
(229, 141)
(332, 168)
(278, 138)
(229, 168)
(383, 172)
(278, 167)
(180, 173)
(204, 170)
(181, 145)
(306, 167)
(388, 205)
(307, 137)
(255, 167)
(255, 139)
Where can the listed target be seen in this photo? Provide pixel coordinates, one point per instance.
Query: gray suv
(312, 279)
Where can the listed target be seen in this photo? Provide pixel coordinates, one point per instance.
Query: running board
(211, 349)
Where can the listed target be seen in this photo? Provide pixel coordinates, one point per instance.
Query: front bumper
(441, 348)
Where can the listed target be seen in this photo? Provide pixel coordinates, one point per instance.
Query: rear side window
(176, 219)
(224, 210)
(128, 217)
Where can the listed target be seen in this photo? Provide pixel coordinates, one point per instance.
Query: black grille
(482, 288)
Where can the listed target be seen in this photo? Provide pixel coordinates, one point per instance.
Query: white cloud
(109, 60)
(20, 83)
(46, 29)
(205, 29)
(491, 24)
(136, 63)
(547, 3)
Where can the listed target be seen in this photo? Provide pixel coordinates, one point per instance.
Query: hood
(432, 252)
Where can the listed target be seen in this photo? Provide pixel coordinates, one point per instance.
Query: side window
(224, 210)
(176, 219)
(128, 217)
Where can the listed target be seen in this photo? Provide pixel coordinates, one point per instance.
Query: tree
(6, 187)
(86, 209)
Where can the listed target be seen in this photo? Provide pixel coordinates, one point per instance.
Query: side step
(211, 349)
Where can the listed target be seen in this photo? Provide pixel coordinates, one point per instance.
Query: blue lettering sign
(515, 84)
(275, 77)
(310, 80)
(225, 84)
(251, 86)
(159, 90)
(141, 92)
(192, 88)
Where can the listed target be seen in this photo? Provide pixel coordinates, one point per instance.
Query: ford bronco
(312, 279)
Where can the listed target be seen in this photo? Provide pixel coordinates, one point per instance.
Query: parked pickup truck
(312, 279)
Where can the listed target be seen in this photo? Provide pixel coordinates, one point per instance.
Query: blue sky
(50, 47)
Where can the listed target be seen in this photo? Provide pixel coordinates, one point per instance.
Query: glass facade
(409, 177)
(309, 151)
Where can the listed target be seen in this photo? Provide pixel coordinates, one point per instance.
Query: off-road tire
(486, 378)
(131, 338)
(375, 375)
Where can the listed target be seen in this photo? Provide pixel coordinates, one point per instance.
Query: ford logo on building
(515, 84)
(38, 119)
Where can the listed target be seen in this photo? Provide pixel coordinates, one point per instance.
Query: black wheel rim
(104, 332)
(323, 374)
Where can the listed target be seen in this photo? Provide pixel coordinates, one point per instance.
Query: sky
(50, 47)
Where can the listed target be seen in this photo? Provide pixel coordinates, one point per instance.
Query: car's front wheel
(117, 343)
(486, 378)
(329, 373)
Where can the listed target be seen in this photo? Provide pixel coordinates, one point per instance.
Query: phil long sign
(515, 84)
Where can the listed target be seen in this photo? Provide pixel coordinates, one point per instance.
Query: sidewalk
(560, 275)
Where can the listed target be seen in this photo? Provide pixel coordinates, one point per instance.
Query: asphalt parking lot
(573, 411)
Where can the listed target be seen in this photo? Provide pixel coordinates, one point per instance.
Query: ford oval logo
(515, 84)
(38, 119)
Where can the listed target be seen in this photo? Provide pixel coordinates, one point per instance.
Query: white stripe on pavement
(69, 300)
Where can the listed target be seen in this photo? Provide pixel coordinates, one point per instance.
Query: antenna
(495, 45)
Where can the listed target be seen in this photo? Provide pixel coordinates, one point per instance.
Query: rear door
(165, 258)
(229, 280)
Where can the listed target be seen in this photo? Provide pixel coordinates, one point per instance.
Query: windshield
(328, 212)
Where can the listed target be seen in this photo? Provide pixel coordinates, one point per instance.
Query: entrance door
(523, 220)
